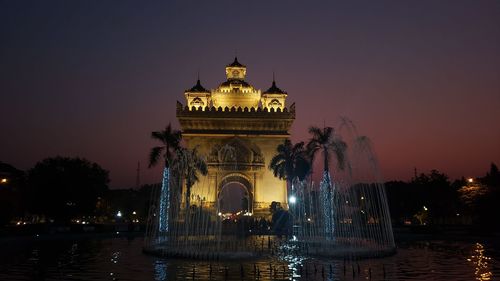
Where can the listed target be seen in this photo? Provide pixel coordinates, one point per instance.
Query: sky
(93, 78)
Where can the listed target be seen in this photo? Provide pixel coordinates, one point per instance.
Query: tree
(492, 178)
(189, 165)
(434, 191)
(326, 141)
(290, 162)
(170, 144)
(62, 187)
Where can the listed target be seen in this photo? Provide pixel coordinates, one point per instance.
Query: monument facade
(237, 129)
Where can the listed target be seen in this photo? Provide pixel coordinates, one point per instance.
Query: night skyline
(422, 80)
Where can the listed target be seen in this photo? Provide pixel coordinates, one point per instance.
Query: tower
(274, 98)
(197, 96)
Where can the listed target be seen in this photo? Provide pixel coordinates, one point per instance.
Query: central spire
(236, 63)
(236, 70)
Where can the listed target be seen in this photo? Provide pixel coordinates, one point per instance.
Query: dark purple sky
(94, 78)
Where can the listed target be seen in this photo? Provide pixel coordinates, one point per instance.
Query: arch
(238, 178)
(274, 103)
(197, 102)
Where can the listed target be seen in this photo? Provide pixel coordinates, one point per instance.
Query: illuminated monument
(237, 128)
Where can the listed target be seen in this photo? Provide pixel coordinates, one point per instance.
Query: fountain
(346, 216)
(350, 216)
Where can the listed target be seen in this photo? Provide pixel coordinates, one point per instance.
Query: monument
(237, 128)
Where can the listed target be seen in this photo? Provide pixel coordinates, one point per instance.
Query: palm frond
(170, 140)
(154, 155)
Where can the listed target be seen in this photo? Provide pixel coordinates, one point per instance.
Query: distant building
(10, 177)
(237, 128)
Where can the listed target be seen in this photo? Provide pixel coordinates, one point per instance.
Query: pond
(121, 258)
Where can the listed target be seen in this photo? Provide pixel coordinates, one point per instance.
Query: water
(120, 258)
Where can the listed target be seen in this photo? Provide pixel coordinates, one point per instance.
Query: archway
(235, 194)
(234, 198)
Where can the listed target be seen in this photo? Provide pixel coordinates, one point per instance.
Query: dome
(235, 82)
(274, 89)
(198, 88)
(235, 91)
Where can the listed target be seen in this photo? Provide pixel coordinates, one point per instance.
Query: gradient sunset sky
(94, 78)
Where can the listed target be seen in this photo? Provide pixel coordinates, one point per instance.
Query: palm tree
(326, 141)
(290, 162)
(189, 164)
(170, 143)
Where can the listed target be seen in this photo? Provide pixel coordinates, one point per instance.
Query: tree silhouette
(62, 187)
(189, 164)
(290, 162)
(327, 142)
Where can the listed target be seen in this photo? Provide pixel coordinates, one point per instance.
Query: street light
(4, 180)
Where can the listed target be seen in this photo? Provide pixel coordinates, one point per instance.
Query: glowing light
(362, 198)
(292, 199)
(481, 263)
(119, 214)
(308, 219)
(425, 208)
(164, 201)
(134, 213)
(4, 180)
(470, 180)
(220, 214)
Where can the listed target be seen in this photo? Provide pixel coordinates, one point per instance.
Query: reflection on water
(122, 259)
(481, 263)
(160, 270)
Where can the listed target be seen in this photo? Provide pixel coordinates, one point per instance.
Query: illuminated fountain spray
(350, 215)
(194, 228)
(327, 189)
(345, 216)
(164, 202)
